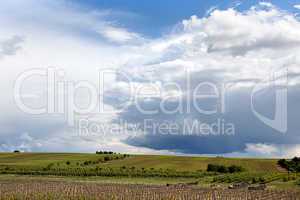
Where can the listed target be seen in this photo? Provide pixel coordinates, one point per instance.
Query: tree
(291, 165)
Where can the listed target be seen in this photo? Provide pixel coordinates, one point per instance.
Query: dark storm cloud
(248, 128)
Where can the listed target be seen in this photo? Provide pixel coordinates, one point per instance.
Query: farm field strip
(62, 190)
(178, 163)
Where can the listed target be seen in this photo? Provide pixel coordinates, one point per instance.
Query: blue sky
(157, 17)
(158, 55)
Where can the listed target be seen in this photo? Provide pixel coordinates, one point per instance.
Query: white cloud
(72, 45)
(297, 6)
(229, 46)
(266, 4)
(270, 150)
(120, 35)
(261, 149)
(237, 43)
(226, 46)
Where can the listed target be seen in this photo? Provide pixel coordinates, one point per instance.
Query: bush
(262, 180)
(68, 162)
(224, 169)
(235, 168)
(106, 152)
(212, 168)
(106, 158)
(88, 162)
(254, 180)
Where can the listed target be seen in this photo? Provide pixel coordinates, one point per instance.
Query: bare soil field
(60, 190)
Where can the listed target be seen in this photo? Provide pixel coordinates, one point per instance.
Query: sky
(151, 77)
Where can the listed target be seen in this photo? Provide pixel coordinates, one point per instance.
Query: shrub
(262, 180)
(105, 152)
(235, 168)
(224, 169)
(255, 180)
(212, 168)
(88, 162)
(106, 158)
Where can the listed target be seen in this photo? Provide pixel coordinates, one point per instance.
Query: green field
(141, 169)
(195, 163)
(179, 163)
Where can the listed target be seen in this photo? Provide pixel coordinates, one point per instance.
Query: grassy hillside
(195, 163)
(178, 163)
(143, 168)
(43, 159)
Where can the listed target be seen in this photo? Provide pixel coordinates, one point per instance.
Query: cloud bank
(238, 49)
(232, 49)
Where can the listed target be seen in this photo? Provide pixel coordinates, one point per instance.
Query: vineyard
(111, 175)
(118, 165)
(64, 190)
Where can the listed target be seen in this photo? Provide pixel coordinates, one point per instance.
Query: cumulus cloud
(239, 49)
(226, 31)
(227, 47)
